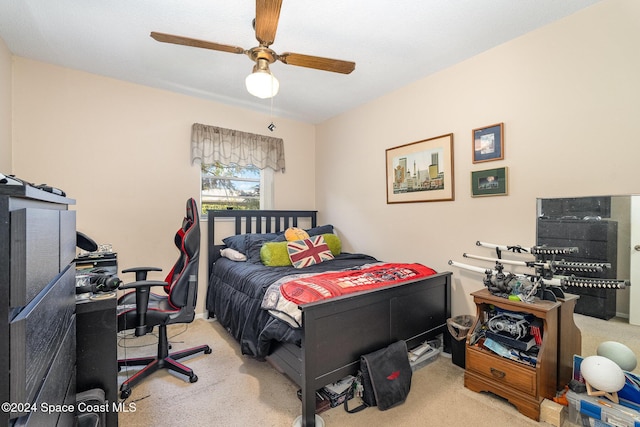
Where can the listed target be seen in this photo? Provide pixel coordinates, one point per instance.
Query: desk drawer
(501, 370)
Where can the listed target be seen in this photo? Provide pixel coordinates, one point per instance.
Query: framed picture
(488, 143)
(421, 171)
(490, 182)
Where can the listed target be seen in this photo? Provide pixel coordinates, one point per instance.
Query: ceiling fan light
(262, 84)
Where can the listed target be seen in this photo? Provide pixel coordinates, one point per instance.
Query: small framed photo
(490, 182)
(488, 143)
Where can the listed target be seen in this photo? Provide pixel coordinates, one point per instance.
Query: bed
(334, 332)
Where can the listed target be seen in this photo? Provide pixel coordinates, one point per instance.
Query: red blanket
(283, 297)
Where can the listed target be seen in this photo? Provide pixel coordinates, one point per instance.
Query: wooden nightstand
(523, 385)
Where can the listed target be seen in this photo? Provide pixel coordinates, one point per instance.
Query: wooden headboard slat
(266, 221)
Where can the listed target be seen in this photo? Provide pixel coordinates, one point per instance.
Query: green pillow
(334, 243)
(275, 254)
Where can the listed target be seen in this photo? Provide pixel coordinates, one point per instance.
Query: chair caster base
(125, 393)
(298, 421)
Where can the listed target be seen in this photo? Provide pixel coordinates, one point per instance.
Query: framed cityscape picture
(421, 171)
(488, 143)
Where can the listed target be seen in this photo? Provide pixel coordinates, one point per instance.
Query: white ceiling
(393, 43)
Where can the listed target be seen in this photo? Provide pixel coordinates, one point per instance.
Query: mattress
(236, 291)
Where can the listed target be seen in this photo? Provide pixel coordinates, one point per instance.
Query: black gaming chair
(142, 310)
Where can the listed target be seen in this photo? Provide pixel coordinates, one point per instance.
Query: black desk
(104, 260)
(97, 351)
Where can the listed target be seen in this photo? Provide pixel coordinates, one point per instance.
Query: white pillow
(232, 254)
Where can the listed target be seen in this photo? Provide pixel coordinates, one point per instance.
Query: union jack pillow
(306, 252)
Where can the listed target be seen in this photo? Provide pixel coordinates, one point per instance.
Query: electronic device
(97, 279)
(95, 282)
(85, 242)
(13, 180)
(9, 180)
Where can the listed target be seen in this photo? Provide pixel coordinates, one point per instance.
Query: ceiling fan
(261, 82)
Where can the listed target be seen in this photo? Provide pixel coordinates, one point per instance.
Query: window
(237, 187)
(236, 168)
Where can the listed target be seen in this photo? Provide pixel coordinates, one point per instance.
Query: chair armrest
(141, 272)
(142, 284)
(142, 288)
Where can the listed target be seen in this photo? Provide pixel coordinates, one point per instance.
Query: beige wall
(5, 109)
(122, 151)
(568, 96)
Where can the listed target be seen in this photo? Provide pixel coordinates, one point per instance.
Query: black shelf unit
(37, 305)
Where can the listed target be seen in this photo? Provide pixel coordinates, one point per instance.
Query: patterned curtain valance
(210, 144)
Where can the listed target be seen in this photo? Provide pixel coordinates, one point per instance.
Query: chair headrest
(191, 218)
(191, 229)
(192, 210)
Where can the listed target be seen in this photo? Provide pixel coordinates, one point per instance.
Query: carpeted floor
(235, 390)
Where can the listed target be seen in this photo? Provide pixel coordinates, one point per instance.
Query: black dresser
(597, 241)
(37, 308)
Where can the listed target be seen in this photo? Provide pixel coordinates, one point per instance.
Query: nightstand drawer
(502, 370)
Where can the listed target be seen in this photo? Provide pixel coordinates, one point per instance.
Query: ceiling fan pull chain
(271, 126)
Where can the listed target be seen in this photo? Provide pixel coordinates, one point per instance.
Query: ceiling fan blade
(267, 16)
(325, 64)
(186, 41)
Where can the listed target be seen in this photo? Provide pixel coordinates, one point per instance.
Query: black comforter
(235, 296)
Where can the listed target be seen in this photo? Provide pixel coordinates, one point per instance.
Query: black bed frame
(339, 330)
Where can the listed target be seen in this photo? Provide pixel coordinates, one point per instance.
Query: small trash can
(459, 328)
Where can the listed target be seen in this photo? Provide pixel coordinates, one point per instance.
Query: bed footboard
(339, 331)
